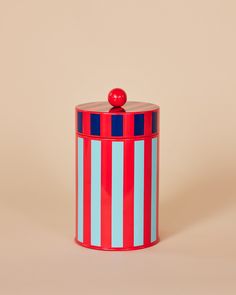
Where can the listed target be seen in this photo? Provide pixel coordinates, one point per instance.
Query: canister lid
(117, 118)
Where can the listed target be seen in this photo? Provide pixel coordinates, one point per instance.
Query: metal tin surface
(117, 173)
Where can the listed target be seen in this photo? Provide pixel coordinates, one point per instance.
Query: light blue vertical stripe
(154, 191)
(96, 193)
(138, 192)
(117, 194)
(80, 189)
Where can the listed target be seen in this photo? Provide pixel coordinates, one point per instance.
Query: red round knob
(117, 97)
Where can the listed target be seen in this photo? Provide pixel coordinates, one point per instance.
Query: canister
(117, 173)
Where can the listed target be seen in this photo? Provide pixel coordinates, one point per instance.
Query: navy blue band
(154, 122)
(117, 125)
(95, 124)
(80, 122)
(138, 124)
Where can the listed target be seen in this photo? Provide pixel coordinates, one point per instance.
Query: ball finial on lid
(117, 97)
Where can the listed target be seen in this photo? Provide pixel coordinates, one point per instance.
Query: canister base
(117, 249)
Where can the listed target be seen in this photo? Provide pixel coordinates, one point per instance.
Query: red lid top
(110, 119)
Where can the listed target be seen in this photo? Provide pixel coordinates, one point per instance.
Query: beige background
(56, 54)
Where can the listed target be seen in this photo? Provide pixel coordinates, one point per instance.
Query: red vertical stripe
(147, 123)
(76, 187)
(86, 123)
(87, 190)
(147, 189)
(105, 125)
(106, 193)
(128, 230)
(128, 125)
(158, 167)
(76, 191)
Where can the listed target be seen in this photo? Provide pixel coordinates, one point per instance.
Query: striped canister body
(116, 178)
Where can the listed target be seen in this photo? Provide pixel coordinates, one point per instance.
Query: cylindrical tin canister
(117, 172)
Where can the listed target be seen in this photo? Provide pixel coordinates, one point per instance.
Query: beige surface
(56, 54)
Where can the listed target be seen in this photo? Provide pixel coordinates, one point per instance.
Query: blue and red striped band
(118, 125)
